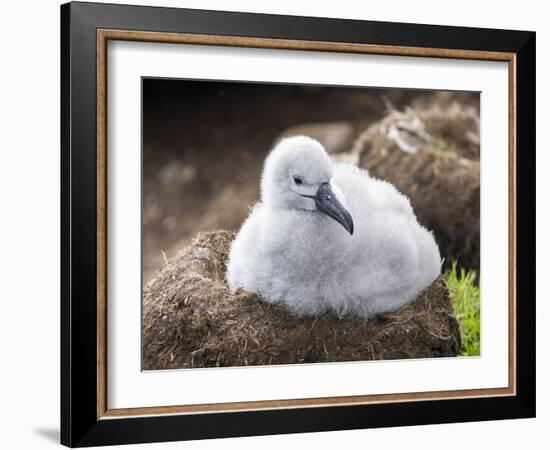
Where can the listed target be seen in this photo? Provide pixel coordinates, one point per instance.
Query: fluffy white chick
(327, 237)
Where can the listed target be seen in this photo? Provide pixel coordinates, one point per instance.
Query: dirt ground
(204, 144)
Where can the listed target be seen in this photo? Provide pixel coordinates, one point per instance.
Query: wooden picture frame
(86, 418)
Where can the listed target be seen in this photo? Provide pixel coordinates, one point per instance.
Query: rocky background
(204, 144)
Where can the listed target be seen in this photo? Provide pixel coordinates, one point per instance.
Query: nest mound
(191, 319)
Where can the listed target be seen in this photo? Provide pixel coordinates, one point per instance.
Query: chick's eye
(297, 180)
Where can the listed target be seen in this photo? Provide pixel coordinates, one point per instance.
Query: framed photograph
(277, 224)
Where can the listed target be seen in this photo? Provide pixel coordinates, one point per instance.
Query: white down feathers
(290, 253)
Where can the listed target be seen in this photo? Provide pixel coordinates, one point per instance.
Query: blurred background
(204, 144)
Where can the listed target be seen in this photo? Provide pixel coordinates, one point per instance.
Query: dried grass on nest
(191, 319)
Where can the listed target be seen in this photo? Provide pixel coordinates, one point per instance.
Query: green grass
(465, 297)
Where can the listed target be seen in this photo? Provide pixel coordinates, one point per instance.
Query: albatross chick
(327, 237)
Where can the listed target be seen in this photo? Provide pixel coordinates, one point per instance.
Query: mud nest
(191, 319)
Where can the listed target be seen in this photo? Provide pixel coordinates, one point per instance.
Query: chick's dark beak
(327, 203)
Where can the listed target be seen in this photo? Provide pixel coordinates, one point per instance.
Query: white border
(128, 386)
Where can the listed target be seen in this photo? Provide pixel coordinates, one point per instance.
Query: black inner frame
(79, 424)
